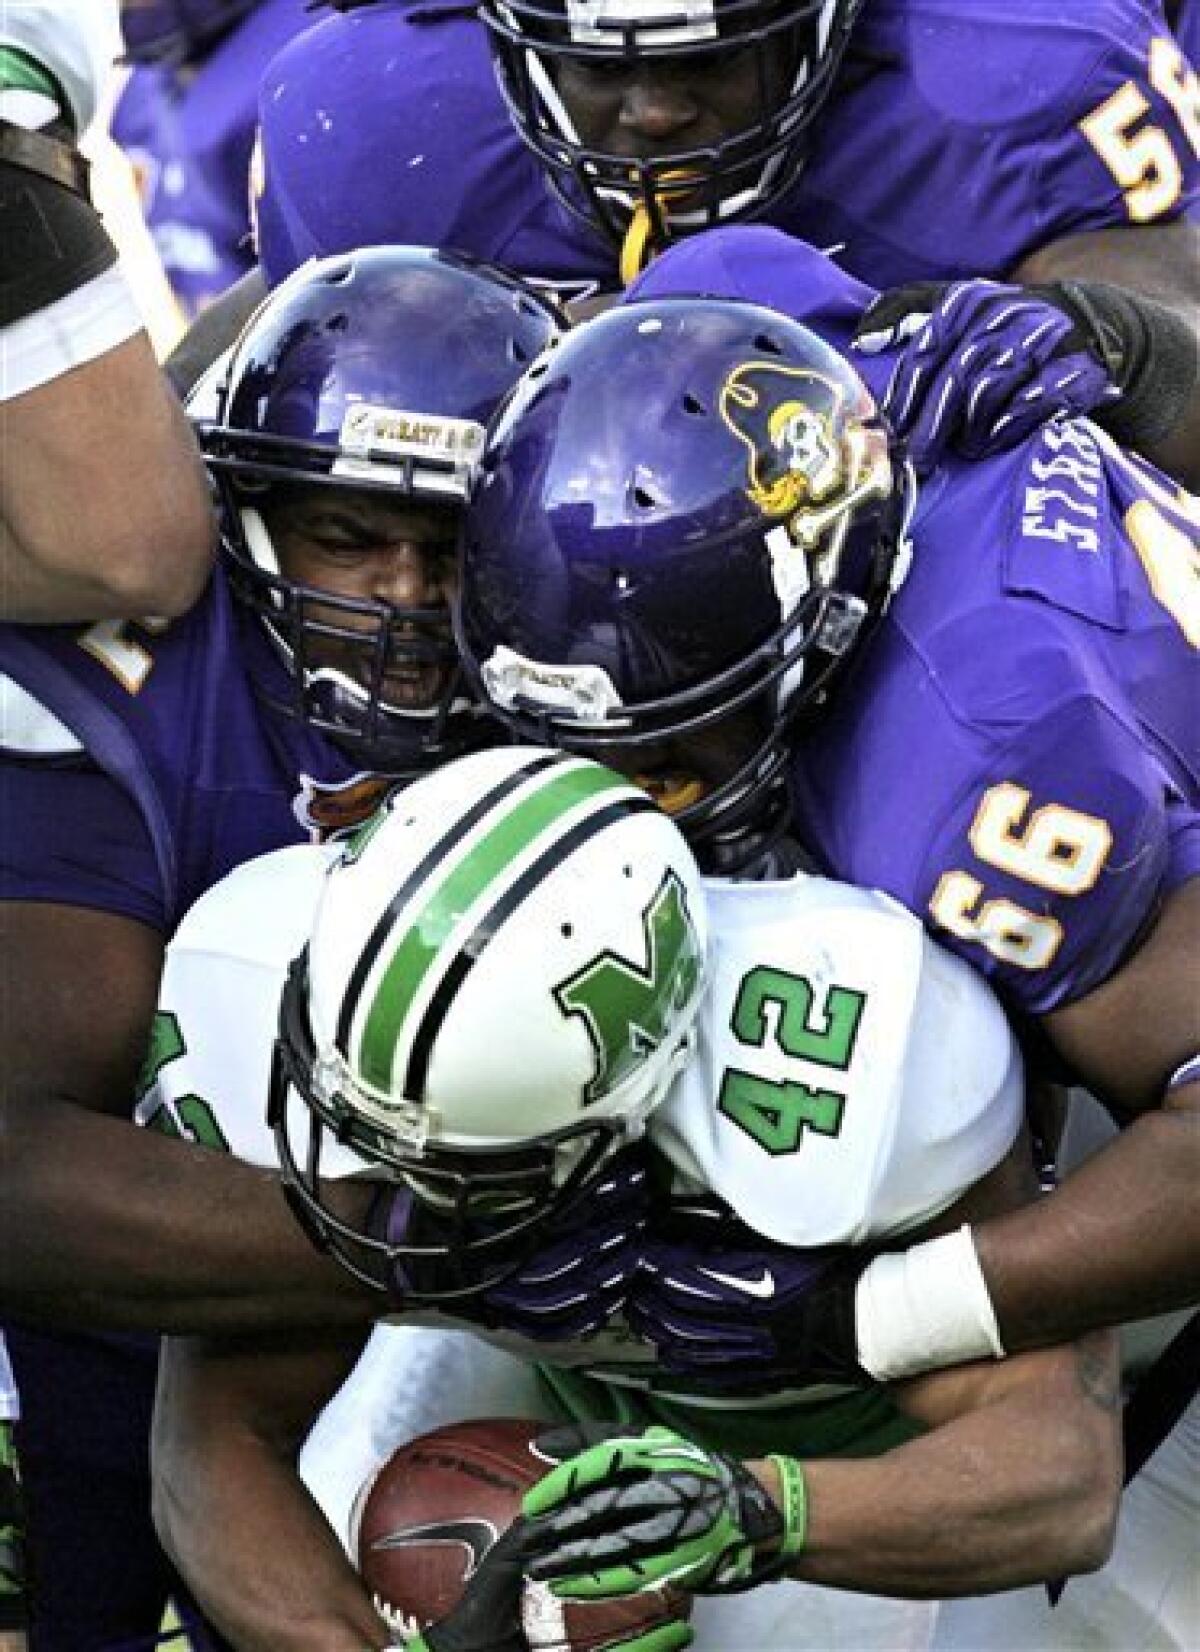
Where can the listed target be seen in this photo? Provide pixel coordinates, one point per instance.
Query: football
(432, 1511)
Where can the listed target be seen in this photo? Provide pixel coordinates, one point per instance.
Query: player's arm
(104, 1224)
(1119, 1238)
(230, 1507)
(104, 509)
(1016, 1479)
(1157, 266)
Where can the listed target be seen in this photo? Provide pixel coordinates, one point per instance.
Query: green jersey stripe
(530, 814)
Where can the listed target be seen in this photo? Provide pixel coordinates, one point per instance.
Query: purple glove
(580, 1275)
(745, 1316)
(984, 364)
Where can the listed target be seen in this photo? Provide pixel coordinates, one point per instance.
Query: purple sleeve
(1046, 862)
(46, 856)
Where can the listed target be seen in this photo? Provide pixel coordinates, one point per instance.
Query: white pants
(411, 1379)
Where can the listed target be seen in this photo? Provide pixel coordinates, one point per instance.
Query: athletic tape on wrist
(793, 1495)
(926, 1307)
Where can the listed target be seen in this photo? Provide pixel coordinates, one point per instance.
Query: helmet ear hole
(693, 405)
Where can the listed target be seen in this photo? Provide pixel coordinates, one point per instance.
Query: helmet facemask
(796, 49)
(373, 373)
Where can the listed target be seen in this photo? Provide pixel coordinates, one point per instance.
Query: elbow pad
(52, 239)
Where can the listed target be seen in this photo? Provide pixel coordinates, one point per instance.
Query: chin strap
(638, 248)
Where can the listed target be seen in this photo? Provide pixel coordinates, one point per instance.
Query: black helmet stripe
(489, 926)
(437, 853)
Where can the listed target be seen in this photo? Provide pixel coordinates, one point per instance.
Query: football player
(920, 141)
(126, 526)
(186, 118)
(488, 998)
(1013, 755)
(143, 760)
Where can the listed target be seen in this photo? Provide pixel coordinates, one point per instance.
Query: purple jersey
(960, 137)
(188, 131)
(1017, 759)
(182, 775)
(1187, 30)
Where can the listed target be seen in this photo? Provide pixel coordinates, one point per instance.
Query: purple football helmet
(687, 518)
(373, 370)
(797, 47)
(177, 31)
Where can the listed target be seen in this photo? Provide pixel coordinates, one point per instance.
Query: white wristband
(86, 323)
(919, 1309)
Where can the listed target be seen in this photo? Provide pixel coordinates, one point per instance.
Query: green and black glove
(488, 1617)
(632, 1511)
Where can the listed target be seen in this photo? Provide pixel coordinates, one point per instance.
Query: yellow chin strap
(638, 249)
(672, 792)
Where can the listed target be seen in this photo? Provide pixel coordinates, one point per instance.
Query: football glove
(625, 1512)
(488, 1617)
(984, 364)
(732, 1315)
(581, 1275)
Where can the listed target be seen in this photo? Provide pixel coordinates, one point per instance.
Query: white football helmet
(501, 983)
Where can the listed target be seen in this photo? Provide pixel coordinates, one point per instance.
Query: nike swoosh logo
(475, 1536)
(764, 1286)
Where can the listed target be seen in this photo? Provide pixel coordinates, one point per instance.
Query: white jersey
(851, 1080)
(77, 41)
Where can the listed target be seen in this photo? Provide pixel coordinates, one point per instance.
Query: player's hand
(488, 1617)
(580, 1276)
(736, 1317)
(631, 1511)
(984, 364)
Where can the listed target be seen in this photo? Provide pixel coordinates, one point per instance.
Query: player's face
(680, 772)
(651, 109)
(373, 549)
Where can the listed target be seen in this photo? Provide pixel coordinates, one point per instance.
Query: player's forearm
(105, 1225)
(1162, 262)
(1118, 1240)
(277, 1581)
(125, 526)
(264, 1564)
(1012, 1493)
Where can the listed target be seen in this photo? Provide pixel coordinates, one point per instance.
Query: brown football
(430, 1514)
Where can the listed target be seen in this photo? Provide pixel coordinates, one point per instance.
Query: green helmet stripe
(421, 944)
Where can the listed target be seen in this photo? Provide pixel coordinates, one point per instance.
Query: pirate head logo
(810, 458)
(790, 421)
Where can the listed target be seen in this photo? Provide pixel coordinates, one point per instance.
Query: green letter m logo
(627, 1007)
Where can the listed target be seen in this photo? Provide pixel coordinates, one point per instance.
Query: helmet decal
(794, 458)
(399, 997)
(626, 1006)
